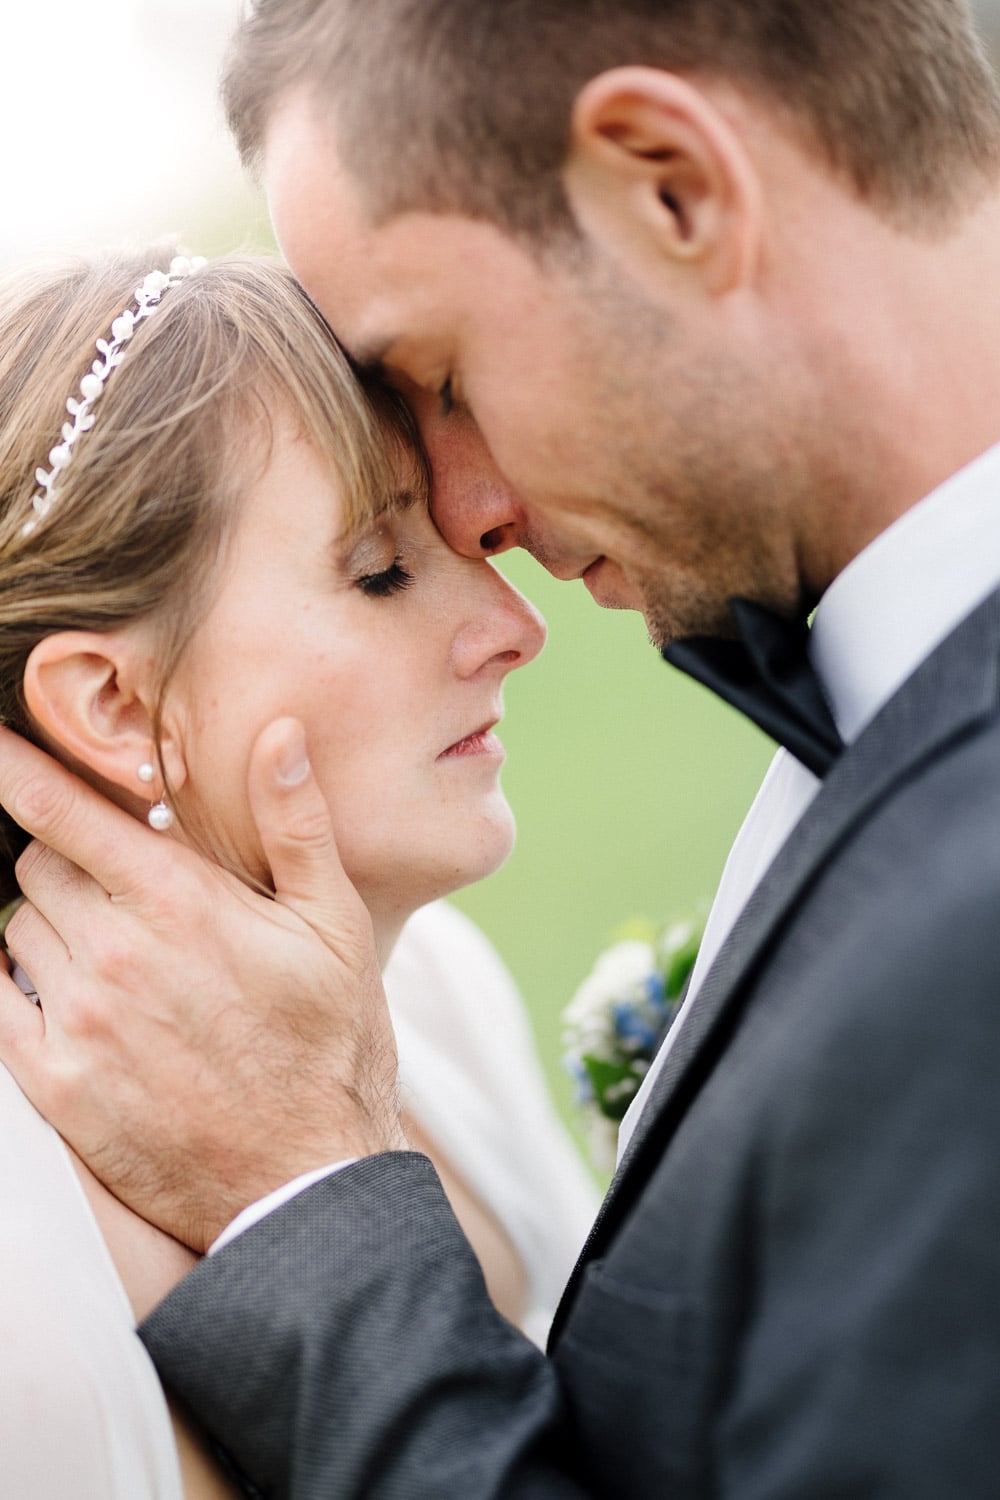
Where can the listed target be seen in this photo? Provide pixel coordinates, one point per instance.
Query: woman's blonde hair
(145, 507)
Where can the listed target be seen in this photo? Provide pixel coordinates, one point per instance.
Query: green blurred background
(629, 782)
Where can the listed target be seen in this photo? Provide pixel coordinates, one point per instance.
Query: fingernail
(293, 762)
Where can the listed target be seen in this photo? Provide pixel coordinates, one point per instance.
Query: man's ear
(91, 695)
(656, 166)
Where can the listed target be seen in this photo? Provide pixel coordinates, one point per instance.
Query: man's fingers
(22, 1031)
(70, 817)
(294, 824)
(59, 889)
(34, 943)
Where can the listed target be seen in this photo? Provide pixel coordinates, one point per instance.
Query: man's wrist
(254, 1212)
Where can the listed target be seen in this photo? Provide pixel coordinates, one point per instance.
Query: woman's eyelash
(391, 580)
(446, 397)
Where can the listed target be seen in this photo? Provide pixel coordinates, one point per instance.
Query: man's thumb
(294, 824)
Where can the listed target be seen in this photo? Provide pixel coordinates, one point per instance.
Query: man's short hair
(464, 105)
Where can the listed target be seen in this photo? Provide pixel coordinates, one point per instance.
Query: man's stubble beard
(710, 458)
(721, 535)
(715, 469)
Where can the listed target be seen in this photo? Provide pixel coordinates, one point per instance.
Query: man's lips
(591, 575)
(610, 586)
(480, 742)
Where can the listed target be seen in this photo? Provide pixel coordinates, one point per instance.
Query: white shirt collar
(909, 588)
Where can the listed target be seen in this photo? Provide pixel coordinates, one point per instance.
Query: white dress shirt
(879, 619)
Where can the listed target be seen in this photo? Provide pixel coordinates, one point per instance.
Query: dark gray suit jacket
(793, 1288)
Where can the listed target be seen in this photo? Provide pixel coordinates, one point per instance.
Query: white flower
(617, 1018)
(619, 973)
(60, 456)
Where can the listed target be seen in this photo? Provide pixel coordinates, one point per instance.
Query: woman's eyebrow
(403, 499)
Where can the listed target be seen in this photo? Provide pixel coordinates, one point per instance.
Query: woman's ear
(656, 169)
(91, 694)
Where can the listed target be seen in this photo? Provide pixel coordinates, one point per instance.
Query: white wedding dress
(82, 1413)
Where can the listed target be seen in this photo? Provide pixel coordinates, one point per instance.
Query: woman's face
(391, 649)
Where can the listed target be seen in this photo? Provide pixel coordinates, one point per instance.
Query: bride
(228, 529)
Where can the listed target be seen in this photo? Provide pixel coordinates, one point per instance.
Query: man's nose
(476, 519)
(473, 506)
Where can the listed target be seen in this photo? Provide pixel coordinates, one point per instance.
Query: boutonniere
(617, 1019)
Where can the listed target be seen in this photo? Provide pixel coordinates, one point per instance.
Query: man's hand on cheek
(197, 1044)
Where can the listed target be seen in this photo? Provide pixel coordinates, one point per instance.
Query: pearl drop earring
(160, 816)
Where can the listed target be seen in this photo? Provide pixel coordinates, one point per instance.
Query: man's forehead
(347, 266)
(315, 207)
(394, 292)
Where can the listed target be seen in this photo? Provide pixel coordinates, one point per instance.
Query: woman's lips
(483, 742)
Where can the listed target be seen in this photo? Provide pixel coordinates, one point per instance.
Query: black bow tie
(767, 675)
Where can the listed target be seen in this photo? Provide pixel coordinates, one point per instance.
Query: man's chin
(671, 609)
(682, 615)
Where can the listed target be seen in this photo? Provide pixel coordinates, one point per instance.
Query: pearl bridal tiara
(112, 351)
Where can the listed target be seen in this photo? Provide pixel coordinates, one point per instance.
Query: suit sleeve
(346, 1347)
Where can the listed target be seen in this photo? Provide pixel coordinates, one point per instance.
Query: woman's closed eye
(390, 580)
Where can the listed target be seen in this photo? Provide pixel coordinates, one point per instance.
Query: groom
(698, 302)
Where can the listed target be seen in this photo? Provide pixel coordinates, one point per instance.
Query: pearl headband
(112, 352)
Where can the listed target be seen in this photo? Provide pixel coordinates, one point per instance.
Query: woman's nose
(501, 629)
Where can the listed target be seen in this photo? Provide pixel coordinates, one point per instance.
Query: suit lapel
(953, 691)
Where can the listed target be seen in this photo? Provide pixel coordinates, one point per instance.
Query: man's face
(565, 409)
